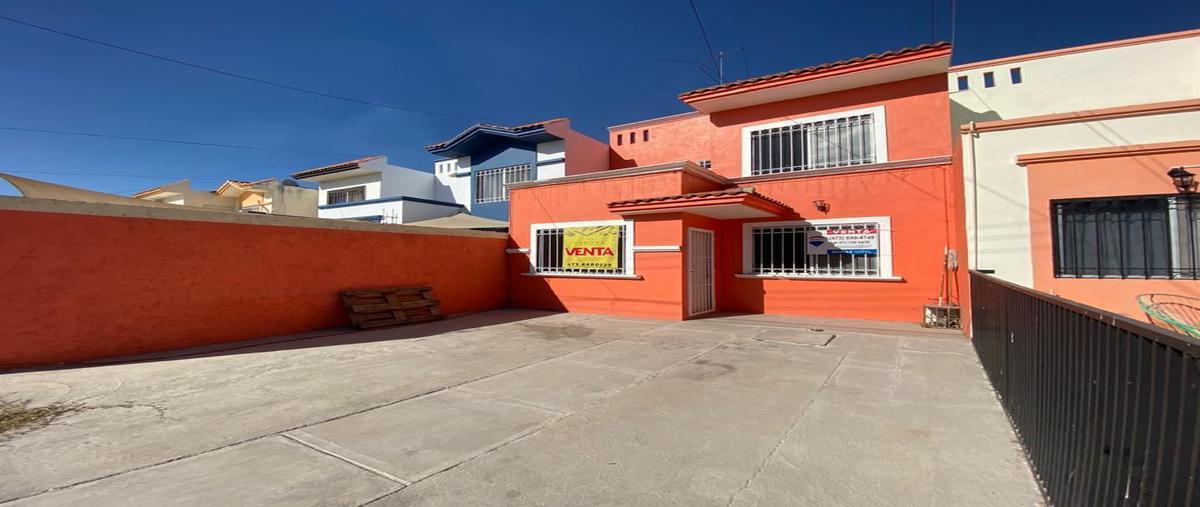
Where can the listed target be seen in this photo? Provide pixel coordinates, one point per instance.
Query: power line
(235, 75)
(699, 65)
(172, 141)
(113, 175)
(711, 54)
(953, 22)
(746, 62)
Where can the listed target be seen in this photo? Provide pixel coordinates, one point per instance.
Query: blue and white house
(478, 164)
(370, 189)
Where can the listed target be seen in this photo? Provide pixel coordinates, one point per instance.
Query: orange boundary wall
(85, 281)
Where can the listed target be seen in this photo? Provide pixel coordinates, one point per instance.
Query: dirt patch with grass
(21, 416)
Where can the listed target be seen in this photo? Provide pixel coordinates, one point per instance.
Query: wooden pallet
(371, 308)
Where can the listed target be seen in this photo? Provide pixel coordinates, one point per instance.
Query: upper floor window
(1127, 237)
(843, 139)
(1015, 75)
(346, 195)
(989, 79)
(963, 83)
(491, 185)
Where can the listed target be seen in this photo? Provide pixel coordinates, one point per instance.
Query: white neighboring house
(370, 189)
(267, 196)
(1119, 95)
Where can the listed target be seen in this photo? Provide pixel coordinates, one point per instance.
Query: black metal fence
(1106, 407)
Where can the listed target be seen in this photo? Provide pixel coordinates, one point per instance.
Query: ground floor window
(851, 248)
(1127, 237)
(600, 248)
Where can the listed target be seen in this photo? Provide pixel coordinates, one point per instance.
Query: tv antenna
(713, 67)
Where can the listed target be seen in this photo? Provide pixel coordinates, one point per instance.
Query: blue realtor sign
(844, 241)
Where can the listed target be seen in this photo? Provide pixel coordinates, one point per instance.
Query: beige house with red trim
(268, 196)
(1065, 157)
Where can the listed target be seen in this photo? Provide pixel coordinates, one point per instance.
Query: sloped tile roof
(514, 130)
(698, 196)
(816, 68)
(341, 166)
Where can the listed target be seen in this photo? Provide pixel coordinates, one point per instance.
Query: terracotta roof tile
(698, 196)
(815, 68)
(317, 171)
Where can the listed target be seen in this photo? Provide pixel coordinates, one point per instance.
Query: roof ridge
(817, 67)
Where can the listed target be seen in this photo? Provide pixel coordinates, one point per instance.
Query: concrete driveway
(531, 408)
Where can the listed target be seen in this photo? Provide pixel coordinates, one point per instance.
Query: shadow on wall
(961, 115)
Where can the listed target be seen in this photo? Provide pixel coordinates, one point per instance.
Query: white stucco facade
(391, 194)
(454, 180)
(1084, 87)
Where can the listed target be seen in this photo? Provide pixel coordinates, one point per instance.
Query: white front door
(701, 291)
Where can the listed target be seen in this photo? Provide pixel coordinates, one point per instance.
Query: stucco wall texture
(79, 287)
(1128, 171)
(916, 110)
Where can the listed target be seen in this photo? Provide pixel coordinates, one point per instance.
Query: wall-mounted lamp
(1184, 180)
(821, 205)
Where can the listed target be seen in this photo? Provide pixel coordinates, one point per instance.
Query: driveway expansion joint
(294, 428)
(340, 457)
(787, 432)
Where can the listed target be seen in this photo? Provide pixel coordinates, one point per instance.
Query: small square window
(619, 139)
(963, 83)
(632, 137)
(1015, 74)
(989, 80)
(706, 164)
(645, 135)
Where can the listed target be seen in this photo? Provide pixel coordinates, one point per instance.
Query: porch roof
(738, 202)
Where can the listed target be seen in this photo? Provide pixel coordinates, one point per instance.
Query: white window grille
(346, 195)
(491, 185)
(548, 252)
(847, 139)
(852, 249)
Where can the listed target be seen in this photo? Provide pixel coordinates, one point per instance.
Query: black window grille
(1126, 237)
(549, 258)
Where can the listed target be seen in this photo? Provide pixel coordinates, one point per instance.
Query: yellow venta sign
(591, 247)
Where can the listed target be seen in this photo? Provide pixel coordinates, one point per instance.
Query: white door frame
(711, 268)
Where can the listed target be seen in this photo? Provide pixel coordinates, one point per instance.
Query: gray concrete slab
(145, 413)
(416, 438)
(561, 385)
(268, 471)
(529, 408)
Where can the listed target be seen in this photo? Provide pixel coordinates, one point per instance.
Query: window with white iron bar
(817, 250)
(548, 254)
(346, 195)
(491, 185)
(855, 138)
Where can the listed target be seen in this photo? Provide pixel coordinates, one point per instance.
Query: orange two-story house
(822, 191)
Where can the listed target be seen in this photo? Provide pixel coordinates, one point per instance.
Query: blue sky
(503, 62)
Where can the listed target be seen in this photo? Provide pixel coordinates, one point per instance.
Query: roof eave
(747, 200)
(697, 97)
(449, 147)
